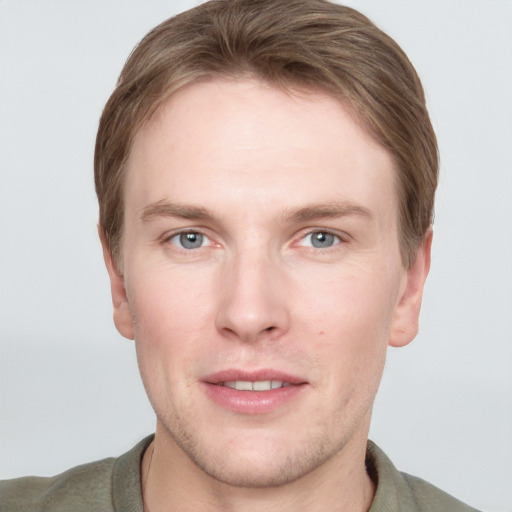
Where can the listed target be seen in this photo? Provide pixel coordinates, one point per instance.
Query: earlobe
(122, 314)
(406, 316)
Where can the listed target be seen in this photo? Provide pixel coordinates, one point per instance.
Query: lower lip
(252, 402)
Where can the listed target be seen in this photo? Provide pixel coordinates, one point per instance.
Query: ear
(407, 311)
(122, 314)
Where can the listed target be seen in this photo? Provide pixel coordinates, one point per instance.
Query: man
(266, 174)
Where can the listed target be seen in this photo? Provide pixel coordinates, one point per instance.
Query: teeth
(243, 385)
(260, 385)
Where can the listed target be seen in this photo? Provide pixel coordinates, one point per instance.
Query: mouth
(258, 385)
(255, 380)
(253, 393)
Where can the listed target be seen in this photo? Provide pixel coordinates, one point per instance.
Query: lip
(263, 374)
(252, 402)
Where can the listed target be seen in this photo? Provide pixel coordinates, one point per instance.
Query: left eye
(189, 240)
(320, 240)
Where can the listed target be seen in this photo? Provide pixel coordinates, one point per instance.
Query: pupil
(321, 239)
(191, 240)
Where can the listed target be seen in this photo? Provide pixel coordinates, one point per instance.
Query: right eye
(320, 240)
(189, 240)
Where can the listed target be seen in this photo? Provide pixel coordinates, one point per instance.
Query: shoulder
(85, 487)
(104, 486)
(398, 491)
(430, 498)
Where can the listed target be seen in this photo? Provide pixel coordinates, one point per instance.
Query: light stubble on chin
(308, 454)
(234, 471)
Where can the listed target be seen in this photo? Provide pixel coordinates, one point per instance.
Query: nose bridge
(252, 295)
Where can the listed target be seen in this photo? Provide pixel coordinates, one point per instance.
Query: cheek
(166, 325)
(166, 301)
(170, 317)
(349, 319)
(350, 301)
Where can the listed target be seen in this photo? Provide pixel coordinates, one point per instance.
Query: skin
(271, 171)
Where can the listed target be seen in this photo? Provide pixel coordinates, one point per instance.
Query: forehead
(232, 138)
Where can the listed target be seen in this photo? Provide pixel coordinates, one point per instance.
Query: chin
(262, 464)
(258, 473)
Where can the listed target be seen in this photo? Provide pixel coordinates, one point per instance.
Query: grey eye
(322, 239)
(189, 240)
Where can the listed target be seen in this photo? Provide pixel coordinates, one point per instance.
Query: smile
(259, 385)
(253, 392)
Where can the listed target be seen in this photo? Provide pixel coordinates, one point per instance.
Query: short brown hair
(307, 43)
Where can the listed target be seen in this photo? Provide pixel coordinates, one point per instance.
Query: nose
(252, 300)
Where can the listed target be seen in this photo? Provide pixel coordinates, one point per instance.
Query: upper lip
(231, 375)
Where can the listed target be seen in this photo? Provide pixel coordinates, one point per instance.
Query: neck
(171, 481)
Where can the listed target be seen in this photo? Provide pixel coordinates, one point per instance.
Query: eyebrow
(327, 211)
(331, 210)
(167, 209)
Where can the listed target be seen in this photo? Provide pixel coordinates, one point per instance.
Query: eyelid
(342, 237)
(169, 236)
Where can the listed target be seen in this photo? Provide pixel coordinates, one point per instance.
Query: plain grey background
(70, 391)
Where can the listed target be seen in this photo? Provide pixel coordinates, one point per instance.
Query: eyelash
(169, 239)
(338, 239)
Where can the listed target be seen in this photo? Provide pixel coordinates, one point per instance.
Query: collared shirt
(113, 485)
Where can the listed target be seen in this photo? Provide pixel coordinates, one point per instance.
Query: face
(262, 279)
